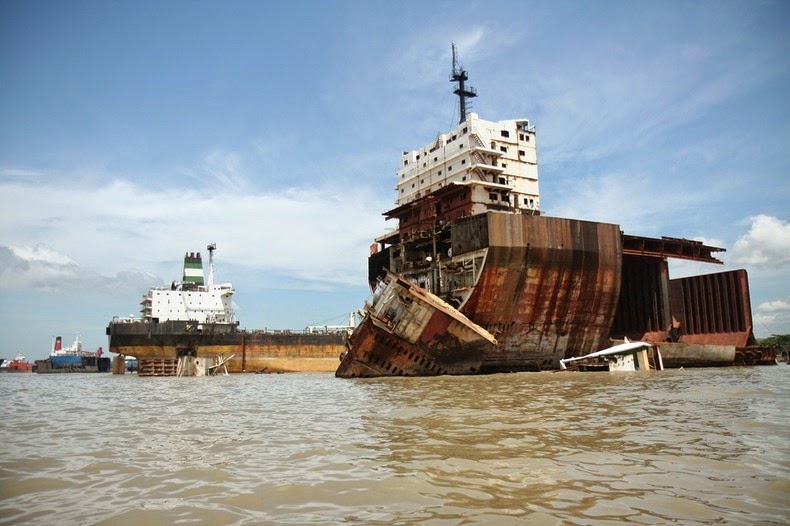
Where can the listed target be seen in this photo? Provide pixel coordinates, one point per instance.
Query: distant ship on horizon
(72, 359)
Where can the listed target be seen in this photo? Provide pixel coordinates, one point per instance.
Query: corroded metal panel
(409, 331)
(643, 307)
(713, 308)
(676, 355)
(548, 290)
(669, 247)
(375, 350)
(469, 234)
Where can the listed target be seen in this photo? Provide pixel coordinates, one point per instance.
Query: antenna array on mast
(460, 76)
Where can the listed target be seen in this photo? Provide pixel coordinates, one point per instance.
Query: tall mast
(460, 76)
(211, 248)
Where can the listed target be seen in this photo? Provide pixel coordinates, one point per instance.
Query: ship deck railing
(320, 329)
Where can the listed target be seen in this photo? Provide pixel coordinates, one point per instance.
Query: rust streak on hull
(549, 288)
(410, 332)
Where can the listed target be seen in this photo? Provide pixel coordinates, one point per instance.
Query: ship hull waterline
(251, 351)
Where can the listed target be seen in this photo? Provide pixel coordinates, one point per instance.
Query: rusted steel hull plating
(540, 286)
(548, 286)
(409, 331)
(552, 288)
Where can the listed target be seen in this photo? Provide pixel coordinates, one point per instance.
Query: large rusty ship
(476, 279)
(194, 317)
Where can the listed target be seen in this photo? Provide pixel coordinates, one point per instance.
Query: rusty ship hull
(157, 347)
(551, 288)
(548, 286)
(542, 287)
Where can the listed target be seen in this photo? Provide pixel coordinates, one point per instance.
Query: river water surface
(693, 446)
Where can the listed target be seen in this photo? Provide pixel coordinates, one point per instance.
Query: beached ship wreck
(473, 248)
(194, 319)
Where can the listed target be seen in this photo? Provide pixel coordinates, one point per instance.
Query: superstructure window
(503, 149)
(505, 133)
(463, 161)
(493, 197)
(522, 153)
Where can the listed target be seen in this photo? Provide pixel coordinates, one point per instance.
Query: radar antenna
(460, 76)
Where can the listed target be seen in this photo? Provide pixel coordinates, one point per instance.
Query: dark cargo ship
(537, 289)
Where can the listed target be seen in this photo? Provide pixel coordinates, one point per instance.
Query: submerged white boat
(627, 356)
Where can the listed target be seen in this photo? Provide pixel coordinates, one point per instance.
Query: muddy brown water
(694, 446)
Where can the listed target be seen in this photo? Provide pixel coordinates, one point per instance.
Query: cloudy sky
(132, 132)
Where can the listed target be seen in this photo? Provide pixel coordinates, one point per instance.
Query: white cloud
(775, 306)
(43, 269)
(313, 234)
(767, 243)
(606, 99)
(773, 317)
(43, 255)
(417, 61)
(624, 198)
(224, 169)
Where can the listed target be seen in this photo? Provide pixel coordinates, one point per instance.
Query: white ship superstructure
(497, 161)
(191, 299)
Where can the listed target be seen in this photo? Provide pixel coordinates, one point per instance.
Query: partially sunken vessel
(476, 280)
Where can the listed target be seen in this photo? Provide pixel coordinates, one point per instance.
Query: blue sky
(132, 132)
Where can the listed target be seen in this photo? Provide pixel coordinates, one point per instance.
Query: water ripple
(689, 446)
